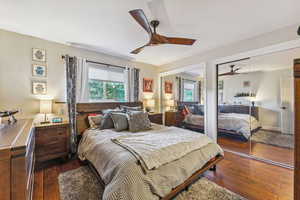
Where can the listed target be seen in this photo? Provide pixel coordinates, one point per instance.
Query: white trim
(182, 69)
(261, 51)
(260, 159)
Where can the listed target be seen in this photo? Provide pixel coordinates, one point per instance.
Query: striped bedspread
(162, 146)
(122, 173)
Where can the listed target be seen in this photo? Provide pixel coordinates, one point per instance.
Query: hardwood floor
(252, 179)
(274, 153)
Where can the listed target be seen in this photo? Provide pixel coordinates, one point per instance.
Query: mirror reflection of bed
(182, 97)
(256, 108)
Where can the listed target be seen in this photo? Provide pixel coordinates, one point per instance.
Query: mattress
(240, 124)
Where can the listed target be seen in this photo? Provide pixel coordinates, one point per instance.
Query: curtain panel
(133, 84)
(82, 81)
(71, 72)
(179, 88)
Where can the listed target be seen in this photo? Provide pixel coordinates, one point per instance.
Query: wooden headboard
(84, 109)
(241, 109)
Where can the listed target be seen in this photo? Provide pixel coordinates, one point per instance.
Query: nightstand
(52, 141)
(156, 118)
(173, 118)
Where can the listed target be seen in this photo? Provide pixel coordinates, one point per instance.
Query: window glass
(106, 84)
(189, 88)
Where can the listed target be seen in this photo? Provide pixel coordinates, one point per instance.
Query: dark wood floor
(274, 153)
(252, 179)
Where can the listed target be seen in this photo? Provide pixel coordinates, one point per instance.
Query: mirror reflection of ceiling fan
(154, 38)
(232, 71)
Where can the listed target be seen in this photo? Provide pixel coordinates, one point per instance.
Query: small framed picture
(147, 85)
(38, 55)
(246, 84)
(39, 70)
(39, 87)
(168, 87)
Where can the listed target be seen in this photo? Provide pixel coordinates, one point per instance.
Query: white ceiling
(106, 25)
(270, 62)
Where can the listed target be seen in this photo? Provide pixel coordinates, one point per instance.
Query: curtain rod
(100, 63)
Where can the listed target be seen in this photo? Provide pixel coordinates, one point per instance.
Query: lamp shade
(170, 103)
(45, 106)
(150, 103)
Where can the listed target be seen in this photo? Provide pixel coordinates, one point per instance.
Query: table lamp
(45, 108)
(150, 103)
(170, 103)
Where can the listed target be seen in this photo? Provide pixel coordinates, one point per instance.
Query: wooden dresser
(52, 141)
(17, 161)
(173, 118)
(156, 118)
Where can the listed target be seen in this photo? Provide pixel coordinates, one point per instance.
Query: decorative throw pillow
(107, 122)
(120, 121)
(95, 121)
(138, 121)
(129, 108)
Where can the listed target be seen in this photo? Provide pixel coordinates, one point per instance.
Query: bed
(122, 171)
(233, 120)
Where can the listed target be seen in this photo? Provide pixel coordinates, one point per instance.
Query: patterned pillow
(107, 122)
(128, 108)
(120, 121)
(95, 121)
(138, 121)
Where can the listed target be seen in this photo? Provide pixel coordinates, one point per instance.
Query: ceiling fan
(155, 39)
(232, 71)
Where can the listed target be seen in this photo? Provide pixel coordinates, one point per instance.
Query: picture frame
(39, 70)
(39, 55)
(147, 85)
(168, 87)
(246, 84)
(39, 87)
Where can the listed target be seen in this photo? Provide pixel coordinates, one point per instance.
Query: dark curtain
(179, 87)
(199, 90)
(71, 72)
(136, 82)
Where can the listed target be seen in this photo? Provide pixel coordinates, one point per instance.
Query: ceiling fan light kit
(155, 39)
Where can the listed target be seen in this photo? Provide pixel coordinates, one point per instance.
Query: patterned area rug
(81, 184)
(273, 138)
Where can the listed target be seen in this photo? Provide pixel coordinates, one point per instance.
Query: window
(189, 89)
(106, 83)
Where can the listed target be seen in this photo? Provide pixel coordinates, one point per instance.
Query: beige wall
(16, 70)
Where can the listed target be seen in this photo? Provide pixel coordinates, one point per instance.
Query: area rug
(274, 138)
(82, 184)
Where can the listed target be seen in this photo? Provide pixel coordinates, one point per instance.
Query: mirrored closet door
(256, 106)
(182, 98)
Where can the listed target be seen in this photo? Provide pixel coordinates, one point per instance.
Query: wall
(16, 70)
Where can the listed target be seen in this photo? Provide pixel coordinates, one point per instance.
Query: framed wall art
(38, 55)
(147, 85)
(39, 70)
(39, 87)
(168, 87)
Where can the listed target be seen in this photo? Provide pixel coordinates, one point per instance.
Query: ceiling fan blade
(180, 41)
(227, 74)
(237, 69)
(138, 50)
(141, 18)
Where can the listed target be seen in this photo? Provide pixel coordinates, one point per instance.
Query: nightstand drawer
(51, 148)
(52, 141)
